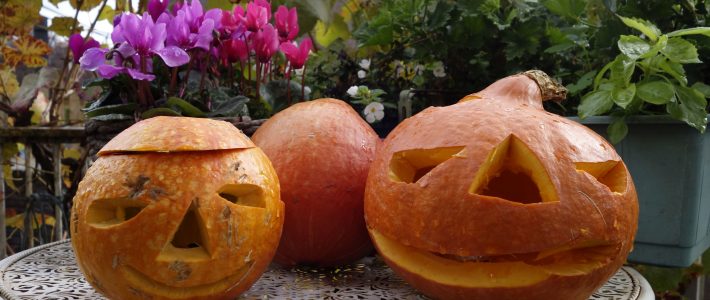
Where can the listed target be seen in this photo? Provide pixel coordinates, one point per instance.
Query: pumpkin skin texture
(190, 211)
(321, 151)
(494, 198)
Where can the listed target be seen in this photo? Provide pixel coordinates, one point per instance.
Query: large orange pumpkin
(322, 151)
(494, 198)
(177, 208)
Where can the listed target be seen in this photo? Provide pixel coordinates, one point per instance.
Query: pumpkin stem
(529, 87)
(549, 88)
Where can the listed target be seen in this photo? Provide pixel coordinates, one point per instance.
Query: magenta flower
(297, 56)
(233, 23)
(180, 35)
(78, 46)
(234, 50)
(257, 15)
(157, 7)
(286, 23)
(138, 39)
(266, 43)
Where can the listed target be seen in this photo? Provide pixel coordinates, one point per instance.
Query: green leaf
(596, 102)
(275, 93)
(703, 88)
(621, 70)
(230, 107)
(646, 27)
(657, 46)
(662, 279)
(440, 16)
(656, 92)
(126, 109)
(560, 47)
(617, 130)
(159, 111)
(582, 83)
(674, 69)
(379, 31)
(623, 95)
(326, 33)
(570, 9)
(633, 46)
(690, 107)
(682, 51)
(185, 107)
(113, 117)
(688, 31)
(222, 4)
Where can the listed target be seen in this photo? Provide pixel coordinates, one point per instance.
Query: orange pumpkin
(322, 151)
(494, 198)
(177, 208)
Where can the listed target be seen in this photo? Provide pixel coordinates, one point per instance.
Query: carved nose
(188, 243)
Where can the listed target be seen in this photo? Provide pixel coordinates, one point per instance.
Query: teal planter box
(669, 162)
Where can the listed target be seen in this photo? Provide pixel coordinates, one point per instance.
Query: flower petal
(173, 56)
(138, 75)
(370, 118)
(109, 71)
(93, 58)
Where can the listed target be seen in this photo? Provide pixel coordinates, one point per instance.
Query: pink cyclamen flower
(233, 23)
(157, 7)
(297, 56)
(286, 23)
(78, 46)
(266, 43)
(234, 50)
(257, 16)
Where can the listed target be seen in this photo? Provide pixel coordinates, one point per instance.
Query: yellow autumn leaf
(108, 14)
(86, 5)
(18, 18)
(27, 50)
(9, 150)
(8, 83)
(18, 220)
(63, 26)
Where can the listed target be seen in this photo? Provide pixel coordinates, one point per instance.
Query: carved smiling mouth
(144, 284)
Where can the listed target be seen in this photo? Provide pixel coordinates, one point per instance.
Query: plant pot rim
(638, 119)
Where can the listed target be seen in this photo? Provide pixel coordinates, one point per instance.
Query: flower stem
(173, 81)
(303, 83)
(288, 84)
(257, 80)
(204, 75)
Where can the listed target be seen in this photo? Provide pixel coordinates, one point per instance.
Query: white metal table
(50, 272)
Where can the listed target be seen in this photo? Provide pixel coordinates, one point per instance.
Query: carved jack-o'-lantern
(494, 198)
(177, 208)
(322, 151)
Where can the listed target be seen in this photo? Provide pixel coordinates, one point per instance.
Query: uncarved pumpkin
(321, 151)
(494, 198)
(177, 208)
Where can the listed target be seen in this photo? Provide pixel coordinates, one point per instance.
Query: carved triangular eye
(411, 165)
(513, 172)
(610, 173)
(243, 194)
(108, 212)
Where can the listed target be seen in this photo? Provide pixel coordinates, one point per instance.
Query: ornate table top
(50, 272)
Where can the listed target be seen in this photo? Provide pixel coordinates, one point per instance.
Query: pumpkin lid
(177, 134)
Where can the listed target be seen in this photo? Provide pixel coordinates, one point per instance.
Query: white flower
(374, 112)
(365, 64)
(299, 72)
(352, 91)
(418, 69)
(438, 69)
(361, 74)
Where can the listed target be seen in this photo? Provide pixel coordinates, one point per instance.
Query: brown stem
(258, 65)
(56, 90)
(173, 81)
(303, 83)
(527, 88)
(187, 77)
(288, 85)
(204, 70)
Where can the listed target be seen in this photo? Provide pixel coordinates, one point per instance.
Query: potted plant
(188, 61)
(648, 98)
